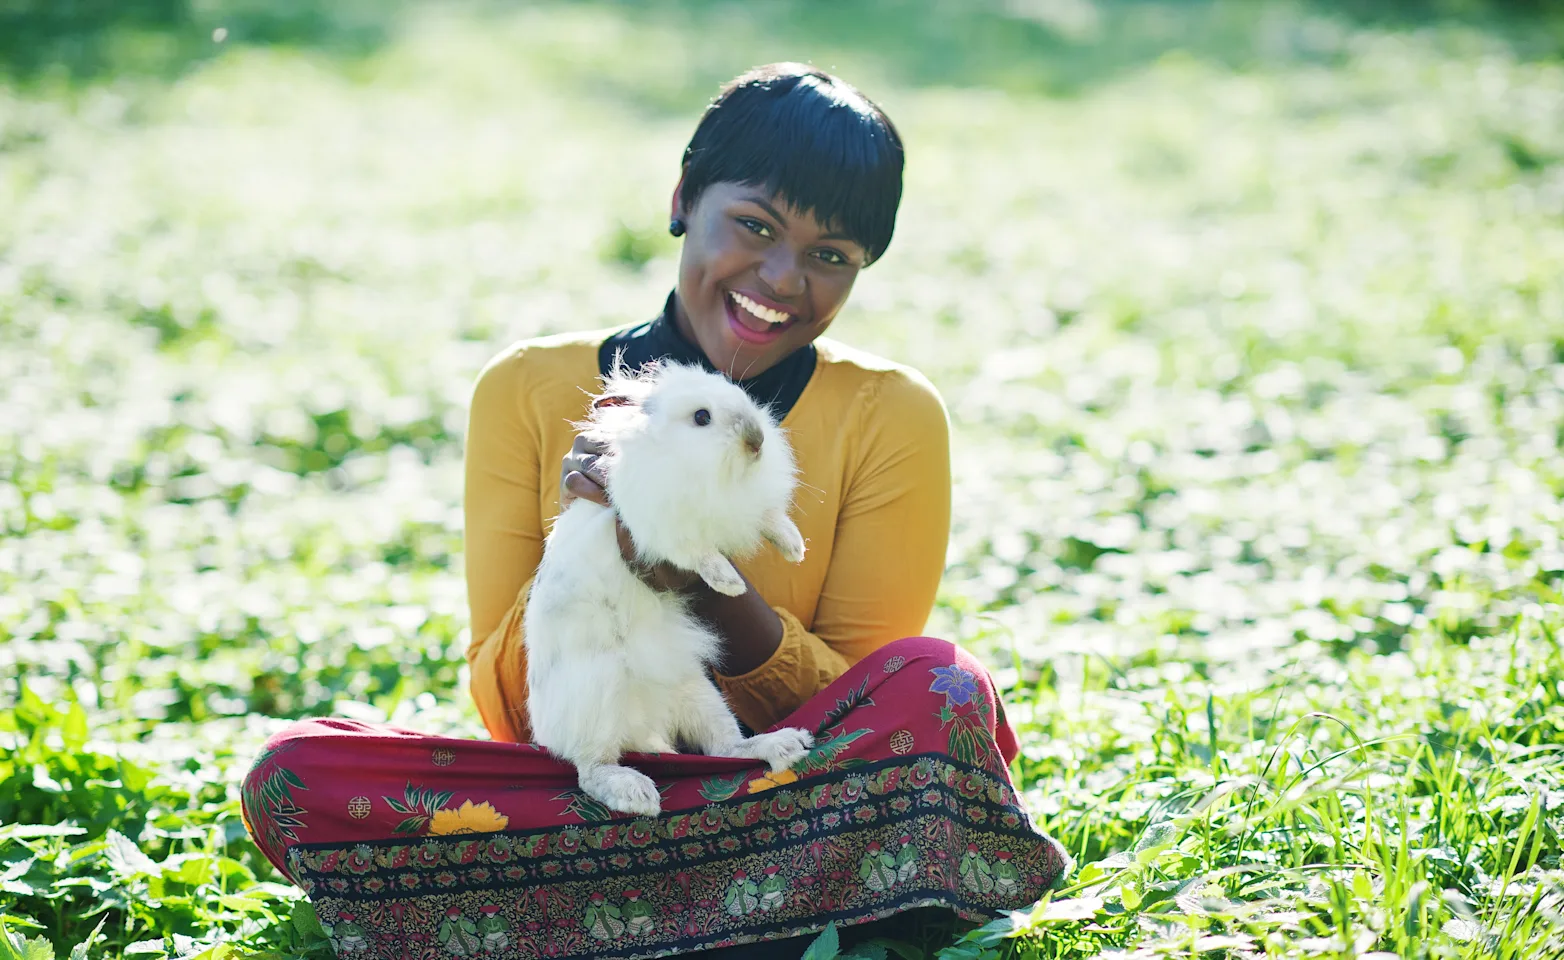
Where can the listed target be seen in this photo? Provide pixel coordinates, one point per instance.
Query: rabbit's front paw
(623, 789)
(784, 533)
(721, 575)
(780, 749)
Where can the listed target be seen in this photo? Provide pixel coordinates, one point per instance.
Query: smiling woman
(789, 188)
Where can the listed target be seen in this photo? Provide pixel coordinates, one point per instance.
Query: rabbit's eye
(702, 417)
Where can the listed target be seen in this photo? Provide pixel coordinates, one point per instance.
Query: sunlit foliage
(1249, 316)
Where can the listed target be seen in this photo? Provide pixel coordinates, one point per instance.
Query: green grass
(1250, 318)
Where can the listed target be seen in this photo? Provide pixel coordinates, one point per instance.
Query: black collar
(659, 339)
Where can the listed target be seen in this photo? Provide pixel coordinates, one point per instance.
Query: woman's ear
(676, 209)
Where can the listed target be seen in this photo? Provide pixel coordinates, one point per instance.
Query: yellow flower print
(772, 780)
(468, 818)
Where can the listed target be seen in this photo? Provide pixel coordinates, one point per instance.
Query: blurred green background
(1023, 46)
(1249, 316)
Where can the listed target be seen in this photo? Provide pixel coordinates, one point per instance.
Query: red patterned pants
(413, 845)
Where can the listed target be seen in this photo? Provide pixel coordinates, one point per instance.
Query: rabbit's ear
(612, 400)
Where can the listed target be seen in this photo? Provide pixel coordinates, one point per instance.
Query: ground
(1249, 318)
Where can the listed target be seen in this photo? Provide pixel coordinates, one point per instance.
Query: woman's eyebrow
(765, 205)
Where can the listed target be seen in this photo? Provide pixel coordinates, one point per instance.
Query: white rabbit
(697, 472)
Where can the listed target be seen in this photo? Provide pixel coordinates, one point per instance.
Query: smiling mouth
(755, 322)
(760, 311)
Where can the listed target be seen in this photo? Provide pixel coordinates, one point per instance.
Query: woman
(411, 844)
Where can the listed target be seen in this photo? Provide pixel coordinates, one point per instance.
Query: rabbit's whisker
(732, 362)
(810, 486)
(749, 367)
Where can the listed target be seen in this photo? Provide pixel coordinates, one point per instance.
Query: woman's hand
(581, 475)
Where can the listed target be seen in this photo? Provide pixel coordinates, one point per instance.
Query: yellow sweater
(873, 450)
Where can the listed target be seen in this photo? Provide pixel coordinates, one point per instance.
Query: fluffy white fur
(614, 666)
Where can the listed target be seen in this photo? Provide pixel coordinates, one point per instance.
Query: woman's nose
(782, 272)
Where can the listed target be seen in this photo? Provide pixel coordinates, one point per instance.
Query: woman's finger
(580, 485)
(583, 462)
(663, 577)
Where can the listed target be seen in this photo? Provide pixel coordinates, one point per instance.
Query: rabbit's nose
(753, 438)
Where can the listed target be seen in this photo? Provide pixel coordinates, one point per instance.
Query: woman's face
(758, 279)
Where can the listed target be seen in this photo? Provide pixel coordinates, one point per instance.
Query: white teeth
(765, 313)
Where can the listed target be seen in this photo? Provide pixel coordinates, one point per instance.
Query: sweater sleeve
(503, 543)
(892, 532)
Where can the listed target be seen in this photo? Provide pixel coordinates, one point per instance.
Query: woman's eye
(755, 226)
(832, 257)
(702, 417)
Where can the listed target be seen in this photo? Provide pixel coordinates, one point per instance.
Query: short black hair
(808, 137)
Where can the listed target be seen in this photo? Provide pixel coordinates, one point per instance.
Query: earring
(676, 227)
